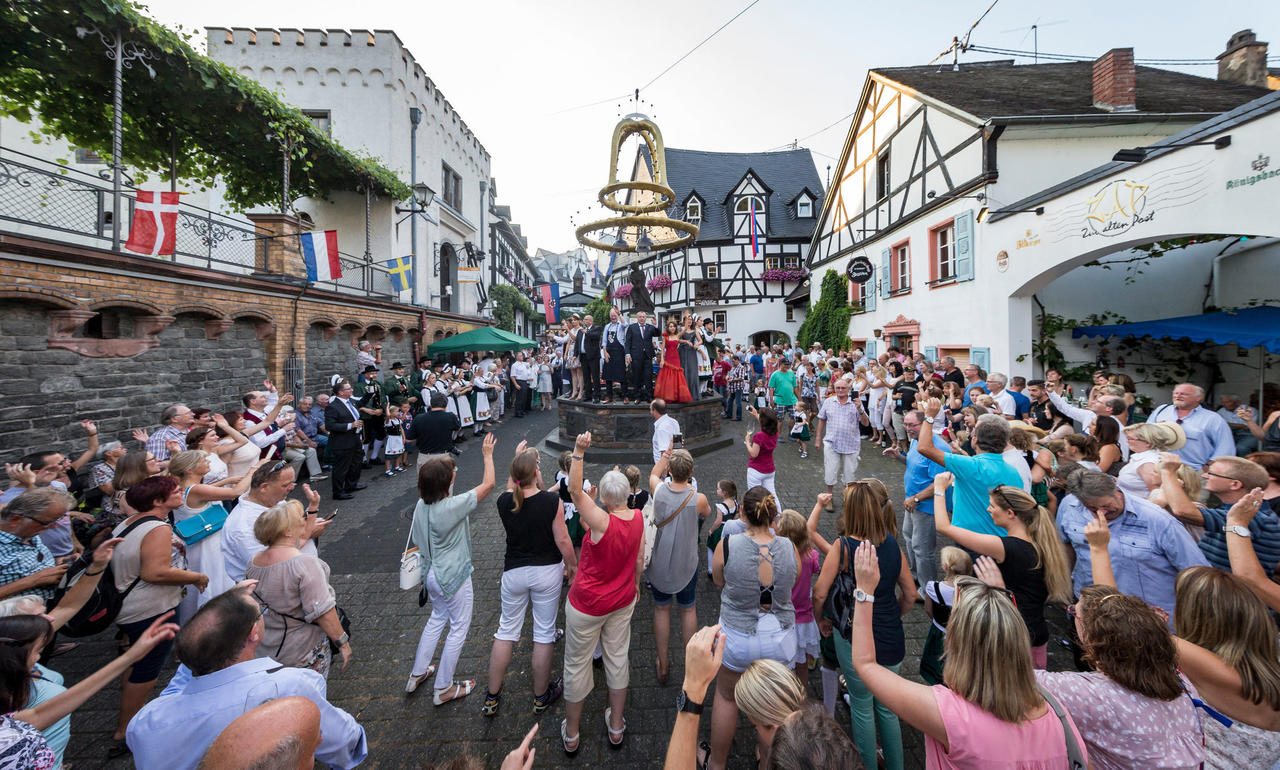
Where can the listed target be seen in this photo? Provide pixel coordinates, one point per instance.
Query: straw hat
(1028, 428)
(1169, 434)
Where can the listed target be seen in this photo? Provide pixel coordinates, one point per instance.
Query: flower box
(623, 291)
(658, 282)
(780, 276)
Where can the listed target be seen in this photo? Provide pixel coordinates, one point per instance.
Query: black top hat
(369, 368)
(424, 360)
(397, 365)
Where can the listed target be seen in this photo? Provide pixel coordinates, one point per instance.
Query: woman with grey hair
(601, 599)
(101, 475)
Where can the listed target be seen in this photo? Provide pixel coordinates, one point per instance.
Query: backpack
(839, 604)
(103, 605)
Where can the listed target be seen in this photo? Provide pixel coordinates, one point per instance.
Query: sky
(785, 70)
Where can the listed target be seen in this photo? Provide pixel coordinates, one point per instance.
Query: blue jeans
(723, 391)
(733, 404)
(867, 716)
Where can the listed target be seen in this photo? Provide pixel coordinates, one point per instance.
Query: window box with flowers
(783, 275)
(658, 282)
(623, 291)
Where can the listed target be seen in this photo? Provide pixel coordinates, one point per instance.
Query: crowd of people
(1160, 540)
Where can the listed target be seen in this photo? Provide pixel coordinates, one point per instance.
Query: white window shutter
(885, 273)
(964, 246)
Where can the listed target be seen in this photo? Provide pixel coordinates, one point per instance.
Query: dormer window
(804, 208)
(693, 212)
(744, 204)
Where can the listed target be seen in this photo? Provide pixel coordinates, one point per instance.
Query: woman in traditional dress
(459, 389)
(571, 361)
(671, 386)
(690, 341)
(480, 388)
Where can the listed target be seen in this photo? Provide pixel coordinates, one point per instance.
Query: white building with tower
(366, 88)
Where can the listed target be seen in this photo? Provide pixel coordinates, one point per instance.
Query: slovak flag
(320, 253)
(154, 229)
(551, 300)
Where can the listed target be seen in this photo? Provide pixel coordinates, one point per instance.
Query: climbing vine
(507, 299)
(827, 321)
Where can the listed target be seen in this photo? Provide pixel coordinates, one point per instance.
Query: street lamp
(423, 195)
(644, 244)
(1139, 154)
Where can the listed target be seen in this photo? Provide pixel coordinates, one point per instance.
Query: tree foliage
(598, 309)
(211, 120)
(827, 321)
(507, 299)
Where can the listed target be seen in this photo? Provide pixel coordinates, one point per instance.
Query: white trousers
(757, 479)
(456, 612)
(835, 464)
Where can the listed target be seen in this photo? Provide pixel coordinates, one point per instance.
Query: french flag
(320, 253)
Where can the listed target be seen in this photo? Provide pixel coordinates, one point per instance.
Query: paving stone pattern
(363, 550)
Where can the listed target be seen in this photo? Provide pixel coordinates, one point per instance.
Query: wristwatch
(929, 420)
(342, 640)
(687, 706)
(1236, 529)
(862, 596)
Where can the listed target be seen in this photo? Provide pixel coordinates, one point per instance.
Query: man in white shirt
(1105, 406)
(664, 428)
(270, 485)
(995, 386)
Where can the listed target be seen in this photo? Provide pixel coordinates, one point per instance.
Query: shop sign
(860, 270)
(1258, 173)
(1117, 208)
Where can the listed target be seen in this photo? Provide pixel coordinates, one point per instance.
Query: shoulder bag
(410, 564)
(651, 526)
(197, 527)
(838, 607)
(1075, 755)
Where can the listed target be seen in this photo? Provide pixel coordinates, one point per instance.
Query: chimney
(1114, 88)
(1244, 61)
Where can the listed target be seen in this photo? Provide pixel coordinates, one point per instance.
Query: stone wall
(47, 391)
(335, 355)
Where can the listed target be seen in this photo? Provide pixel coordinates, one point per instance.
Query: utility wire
(699, 45)
(1075, 57)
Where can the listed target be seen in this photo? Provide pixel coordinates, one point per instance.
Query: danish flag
(154, 229)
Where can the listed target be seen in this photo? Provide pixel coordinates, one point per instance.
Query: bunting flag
(551, 301)
(320, 254)
(752, 225)
(154, 230)
(612, 254)
(400, 270)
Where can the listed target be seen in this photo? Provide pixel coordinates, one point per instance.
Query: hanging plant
(623, 291)
(780, 276)
(658, 282)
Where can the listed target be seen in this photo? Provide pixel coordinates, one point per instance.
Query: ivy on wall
(507, 299)
(198, 113)
(827, 321)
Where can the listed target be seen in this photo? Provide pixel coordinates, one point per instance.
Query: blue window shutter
(885, 274)
(871, 349)
(981, 358)
(964, 246)
(931, 353)
(872, 293)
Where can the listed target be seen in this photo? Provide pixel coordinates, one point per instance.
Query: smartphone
(678, 439)
(272, 451)
(331, 516)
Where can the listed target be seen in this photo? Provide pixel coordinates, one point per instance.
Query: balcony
(40, 199)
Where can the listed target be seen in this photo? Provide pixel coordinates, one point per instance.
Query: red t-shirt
(763, 462)
(606, 579)
(720, 374)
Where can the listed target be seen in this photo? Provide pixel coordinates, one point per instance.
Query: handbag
(410, 565)
(1075, 756)
(195, 528)
(651, 527)
(838, 607)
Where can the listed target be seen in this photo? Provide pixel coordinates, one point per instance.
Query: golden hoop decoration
(667, 197)
(690, 232)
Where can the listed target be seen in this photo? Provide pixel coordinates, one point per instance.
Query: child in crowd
(561, 488)
(824, 380)
(393, 450)
(761, 397)
(792, 526)
(800, 428)
(406, 419)
(939, 596)
(726, 510)
(826, 641)
(639, 497)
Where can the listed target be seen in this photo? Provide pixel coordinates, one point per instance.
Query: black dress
(689, 363)
(615, 369)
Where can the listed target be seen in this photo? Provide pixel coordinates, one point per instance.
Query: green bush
(828, 319)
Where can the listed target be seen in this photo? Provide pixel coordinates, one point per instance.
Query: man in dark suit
(590, 343)
(640, 337)
(342, 420)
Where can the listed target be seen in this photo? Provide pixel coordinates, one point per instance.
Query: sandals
(608, 725)
(565, 740)
(554, 690)
(705, 749)
(491, 704)
(460, 690)
(118, 749)
(415, 681)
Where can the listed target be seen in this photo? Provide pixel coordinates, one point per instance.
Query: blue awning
(1248, 327)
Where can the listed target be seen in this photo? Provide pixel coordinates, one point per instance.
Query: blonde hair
(185, 462)
(633, 476)
(680, 465)
(988, 653)
(795, 528)
(1160, 435)
(863, 516)
(768, 692)
(273, 523)
(956, 562)
(1217, 610)
(1044, 538)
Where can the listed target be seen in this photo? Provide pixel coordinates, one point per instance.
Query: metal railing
(45, 199)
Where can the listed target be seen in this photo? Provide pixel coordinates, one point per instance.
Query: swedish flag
(400, 270)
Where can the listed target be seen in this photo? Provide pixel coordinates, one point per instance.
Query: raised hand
(313, 497)
(582, 442)
(1098, 532)
(824, 499)
(941, 482)
(1169, 462)
(1245, 508)
(89, 427)
(486, 448)
(140, 435)
(702, 657)
(157, 632)
(988, 571)
(20, 474)
(866, 567)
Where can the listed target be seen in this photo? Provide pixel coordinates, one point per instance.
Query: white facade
(947, 284)
(362, 84)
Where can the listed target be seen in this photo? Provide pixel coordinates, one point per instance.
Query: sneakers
(542, 702)
(389, 474)
(804, 454)
(491, 703)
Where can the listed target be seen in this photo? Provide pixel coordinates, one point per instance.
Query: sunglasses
(967, 583)
(1000, 491)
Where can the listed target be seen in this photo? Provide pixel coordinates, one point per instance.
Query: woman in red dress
(671, 386)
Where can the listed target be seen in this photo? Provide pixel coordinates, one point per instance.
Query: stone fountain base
(623, 433)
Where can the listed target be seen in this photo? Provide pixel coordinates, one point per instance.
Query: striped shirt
(156, 445)
(1265, 529)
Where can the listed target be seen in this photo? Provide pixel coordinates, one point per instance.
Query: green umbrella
(484, 338)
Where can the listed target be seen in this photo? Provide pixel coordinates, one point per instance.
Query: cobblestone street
(363, 549)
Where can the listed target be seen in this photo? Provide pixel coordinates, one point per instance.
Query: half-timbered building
(934, 150)
(755, 214)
